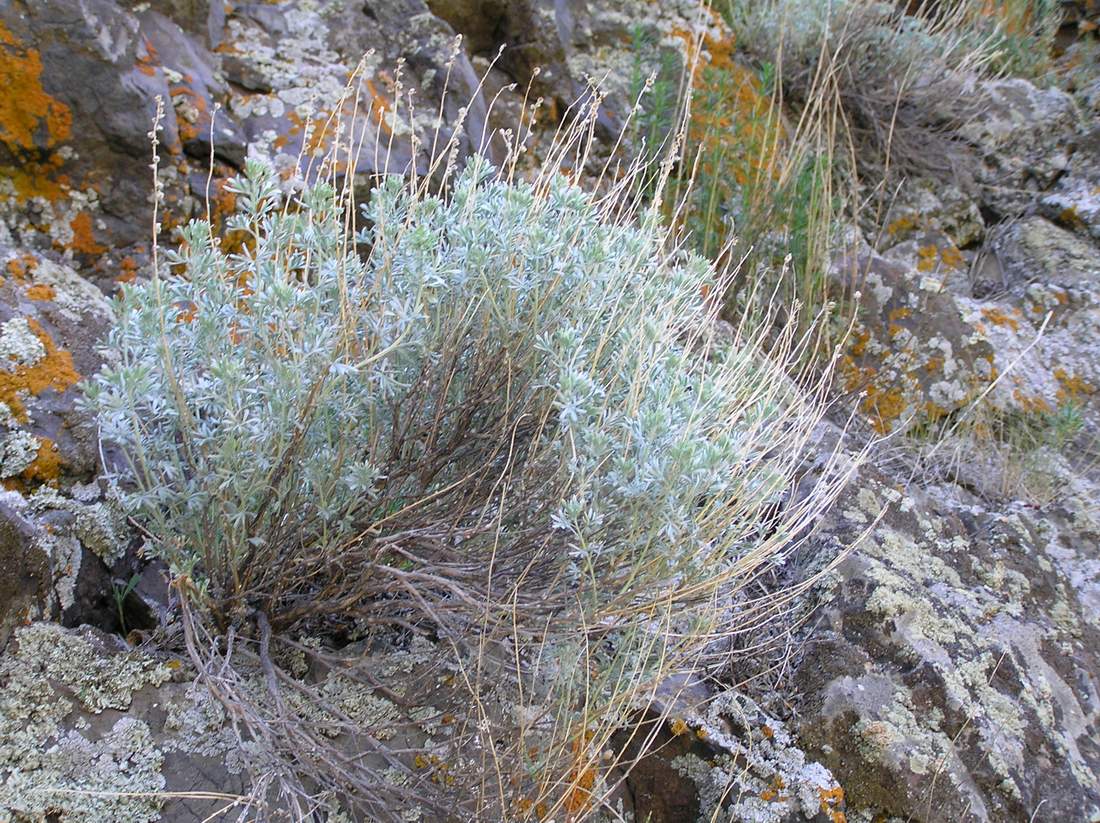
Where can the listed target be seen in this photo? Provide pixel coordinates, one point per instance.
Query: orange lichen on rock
(860, 339)
(998, 317)
(147, 61)
(33, 178)
(1069, 216)
(895, 328)
(45, 468)
(41, 291)
(883, 407)
(1029, 404)
(905, 223)
(30, 119)
(927, 258)
(773, 794)
(930, 257)
(582, 778)
(1072, 386)
(379, 108)
(190, 124)
(127, 268)
(20, 267)
(952, 257)
(830, 800)
(317, 133)
(54, 371)
(83, 240)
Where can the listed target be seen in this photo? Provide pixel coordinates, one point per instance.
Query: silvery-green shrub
(502, 413)
(505, 371)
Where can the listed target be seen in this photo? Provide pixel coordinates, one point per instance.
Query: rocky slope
(948, 668)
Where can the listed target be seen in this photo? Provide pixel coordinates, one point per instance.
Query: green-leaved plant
(500, 416)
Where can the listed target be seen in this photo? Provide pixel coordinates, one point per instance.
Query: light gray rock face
(1023, 138)
(90, 726)
(91, 730)
(955, 673)
(955, 670)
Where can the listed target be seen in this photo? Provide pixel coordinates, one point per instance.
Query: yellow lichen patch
(830, 800)
(41, 291)
(54, 371)
(895, 328)
(1072, 386)
(19, 267)
(998, 317)
(934, 411)
(927, 258)
(678, 726)
(855, 377)
(905, 223)
(33, 178)
(45, 468)
(1031, 404)
(773, 794)
(883, 407)
(582, 779)
(951, 257)
(30, 119)
(83, 240)
(860, 339)
(524, 806)
(1071, 217)
(127, 270)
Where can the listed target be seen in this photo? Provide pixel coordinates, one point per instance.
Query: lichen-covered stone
(1023, 137)
(49, 767)
(955, 675)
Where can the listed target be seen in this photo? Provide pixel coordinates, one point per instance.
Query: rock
(956, 673)
(1074, 203)
(26, 584)
(1035, 250)
(90, 729)
(939, 329)
(197, 92)
(57, 551)
(203, 17)
(1023, 137)
(936, 260)
(291, 64)
(1044, 278)
(720, 756)
(924, 206)
(77, 138)
(51, 323)
(912, 352)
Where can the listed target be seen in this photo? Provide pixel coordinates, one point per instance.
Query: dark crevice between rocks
(102, 598)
